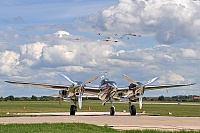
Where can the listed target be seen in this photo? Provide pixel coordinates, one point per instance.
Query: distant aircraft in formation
(107, 40)
(107, 91)
(125, 36)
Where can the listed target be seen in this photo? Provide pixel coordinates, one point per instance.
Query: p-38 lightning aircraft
(107, 91)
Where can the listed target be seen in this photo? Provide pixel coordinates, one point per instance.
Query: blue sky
(32, 51)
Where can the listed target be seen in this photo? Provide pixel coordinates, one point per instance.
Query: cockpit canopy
(106, 81)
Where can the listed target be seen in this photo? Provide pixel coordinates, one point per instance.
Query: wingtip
(193, 83)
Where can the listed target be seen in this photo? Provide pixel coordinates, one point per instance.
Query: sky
(39, 40)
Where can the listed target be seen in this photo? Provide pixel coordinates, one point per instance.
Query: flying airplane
(73, 91)
(129, 35)
(107, 40)
(108, 37)
(133, 35)
(116, 41)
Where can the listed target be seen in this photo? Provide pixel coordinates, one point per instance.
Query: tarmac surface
(121, 120)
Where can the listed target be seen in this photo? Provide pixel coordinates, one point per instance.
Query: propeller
(129, 79)
(60, 100)
(151, 80)
(73, 82)
(81, 90)
(80, 87)
(140, 101)
(141, 87)
(80, 98)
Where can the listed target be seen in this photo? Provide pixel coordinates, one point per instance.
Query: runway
(121, 121)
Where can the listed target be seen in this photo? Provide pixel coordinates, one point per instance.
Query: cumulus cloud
(31, 53)
(190, 53)
(155, 54)
(8, 62)
(73, 55)
(74, 69)
(170, 21)
(172, 64)
(82, 55)
(171, 78)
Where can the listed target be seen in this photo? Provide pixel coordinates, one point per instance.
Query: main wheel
(112, 111)
(132, 110)
(72, 110)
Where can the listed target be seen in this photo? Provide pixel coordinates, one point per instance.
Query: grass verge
(71, 128)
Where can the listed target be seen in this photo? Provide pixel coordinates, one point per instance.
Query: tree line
(179, 98)
(32, 98)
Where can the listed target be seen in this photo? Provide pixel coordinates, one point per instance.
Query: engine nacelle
(132, 86)
(133, 94)
(63, 93)
(137, 93)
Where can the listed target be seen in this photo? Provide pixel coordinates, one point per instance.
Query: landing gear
(112, 111)
(132, 109)
(112, 108)
(73, 109)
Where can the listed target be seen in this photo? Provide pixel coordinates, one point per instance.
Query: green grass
(54, 128)
(53, 106)
(71, 128)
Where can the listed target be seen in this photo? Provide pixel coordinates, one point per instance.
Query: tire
(112, 111)
(72, 110)
(132, 110)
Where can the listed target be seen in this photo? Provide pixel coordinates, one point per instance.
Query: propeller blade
(129, 79)
(140, 101)
(60, 101)
(90, 80)
(73, 82)
(151, 80)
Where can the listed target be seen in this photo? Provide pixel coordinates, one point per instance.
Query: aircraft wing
(124, 88)
(47, 86)
(166, 86)
(91, 90)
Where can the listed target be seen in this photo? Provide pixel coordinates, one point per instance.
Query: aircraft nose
(107, 85)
